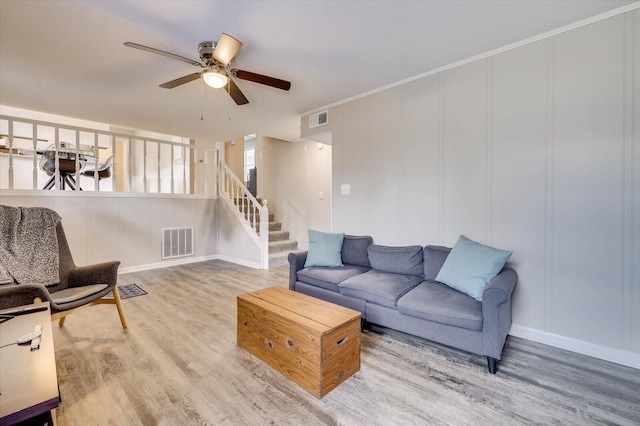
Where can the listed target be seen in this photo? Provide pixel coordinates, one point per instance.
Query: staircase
(279, 243)
(276, 246)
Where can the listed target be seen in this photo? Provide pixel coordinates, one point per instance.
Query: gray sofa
(401, 293)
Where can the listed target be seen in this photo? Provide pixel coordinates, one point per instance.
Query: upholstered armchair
(79, 286)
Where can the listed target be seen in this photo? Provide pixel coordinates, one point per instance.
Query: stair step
(278, 259)
(275, 226)
(278, 235)
(283, 246)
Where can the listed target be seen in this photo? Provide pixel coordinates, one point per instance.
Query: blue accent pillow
(325, 249)
(471, 265)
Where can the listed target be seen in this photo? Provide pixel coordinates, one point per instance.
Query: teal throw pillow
(471, 265)
(325, 249)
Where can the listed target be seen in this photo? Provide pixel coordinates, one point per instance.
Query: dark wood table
(28, 379)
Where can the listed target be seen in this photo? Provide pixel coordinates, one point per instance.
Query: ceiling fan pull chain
(201, 100)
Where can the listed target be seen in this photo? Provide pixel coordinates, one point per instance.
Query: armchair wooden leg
(116, 298)
(61, 321)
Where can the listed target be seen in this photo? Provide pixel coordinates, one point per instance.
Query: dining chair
(103, 169)
(67, 166)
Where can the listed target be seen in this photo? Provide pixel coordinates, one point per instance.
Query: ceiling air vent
(318, 119)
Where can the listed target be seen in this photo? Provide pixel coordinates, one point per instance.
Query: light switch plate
(345, 189)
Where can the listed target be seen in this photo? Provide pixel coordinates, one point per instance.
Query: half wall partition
(38, 155)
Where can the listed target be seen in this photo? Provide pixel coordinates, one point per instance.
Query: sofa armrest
(499, 289)
(296, 262)
(100, 273)
(496, 311)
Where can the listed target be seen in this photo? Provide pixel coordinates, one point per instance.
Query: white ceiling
(68, 58)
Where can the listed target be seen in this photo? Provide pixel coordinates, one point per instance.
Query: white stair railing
(253, 215)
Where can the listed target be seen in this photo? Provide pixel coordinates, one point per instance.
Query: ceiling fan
(215, 59)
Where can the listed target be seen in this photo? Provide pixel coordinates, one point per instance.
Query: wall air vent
(318, 119)
(177, 242)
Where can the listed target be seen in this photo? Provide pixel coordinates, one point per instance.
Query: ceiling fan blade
(226, 49)
(163, 53)
(262, 79)
(180, 81)
(236, 93)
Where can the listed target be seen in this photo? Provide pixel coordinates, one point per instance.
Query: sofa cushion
(324, 249)
(329, 278)
(72, 294)
(407, 260)
(382, 288)
(471, 265)
(434, 257)
(354, 250)
(440, 303)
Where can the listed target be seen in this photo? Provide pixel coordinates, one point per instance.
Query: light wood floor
(178, 364)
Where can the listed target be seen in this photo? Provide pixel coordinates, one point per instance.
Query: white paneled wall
(421, 151)
(587, 170)
(631, 303)
(234, 243)
(357, 171)
(519, 155)
(535, 150)
(291, 177)
(465, 193)
(106, 227)
(384, 193)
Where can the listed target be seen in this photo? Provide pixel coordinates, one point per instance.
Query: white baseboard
(591, 349)
(243, 262)
(166, 264)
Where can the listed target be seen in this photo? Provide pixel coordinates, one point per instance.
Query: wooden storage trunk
(312, 342)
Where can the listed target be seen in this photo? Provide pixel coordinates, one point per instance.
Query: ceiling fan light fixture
(215, 59)
(215, 79)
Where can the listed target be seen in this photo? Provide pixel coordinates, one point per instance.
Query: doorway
(250, 170)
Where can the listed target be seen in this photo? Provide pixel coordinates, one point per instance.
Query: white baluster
(256, 212)
(206, 172)
(159, 179)
(77, 167)
(184, 170)
(57, 160)
(34, 146)
(96, 159)
(171, 170)
(130, 149)
(144, 166)
(112, 143)
(11, 154)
